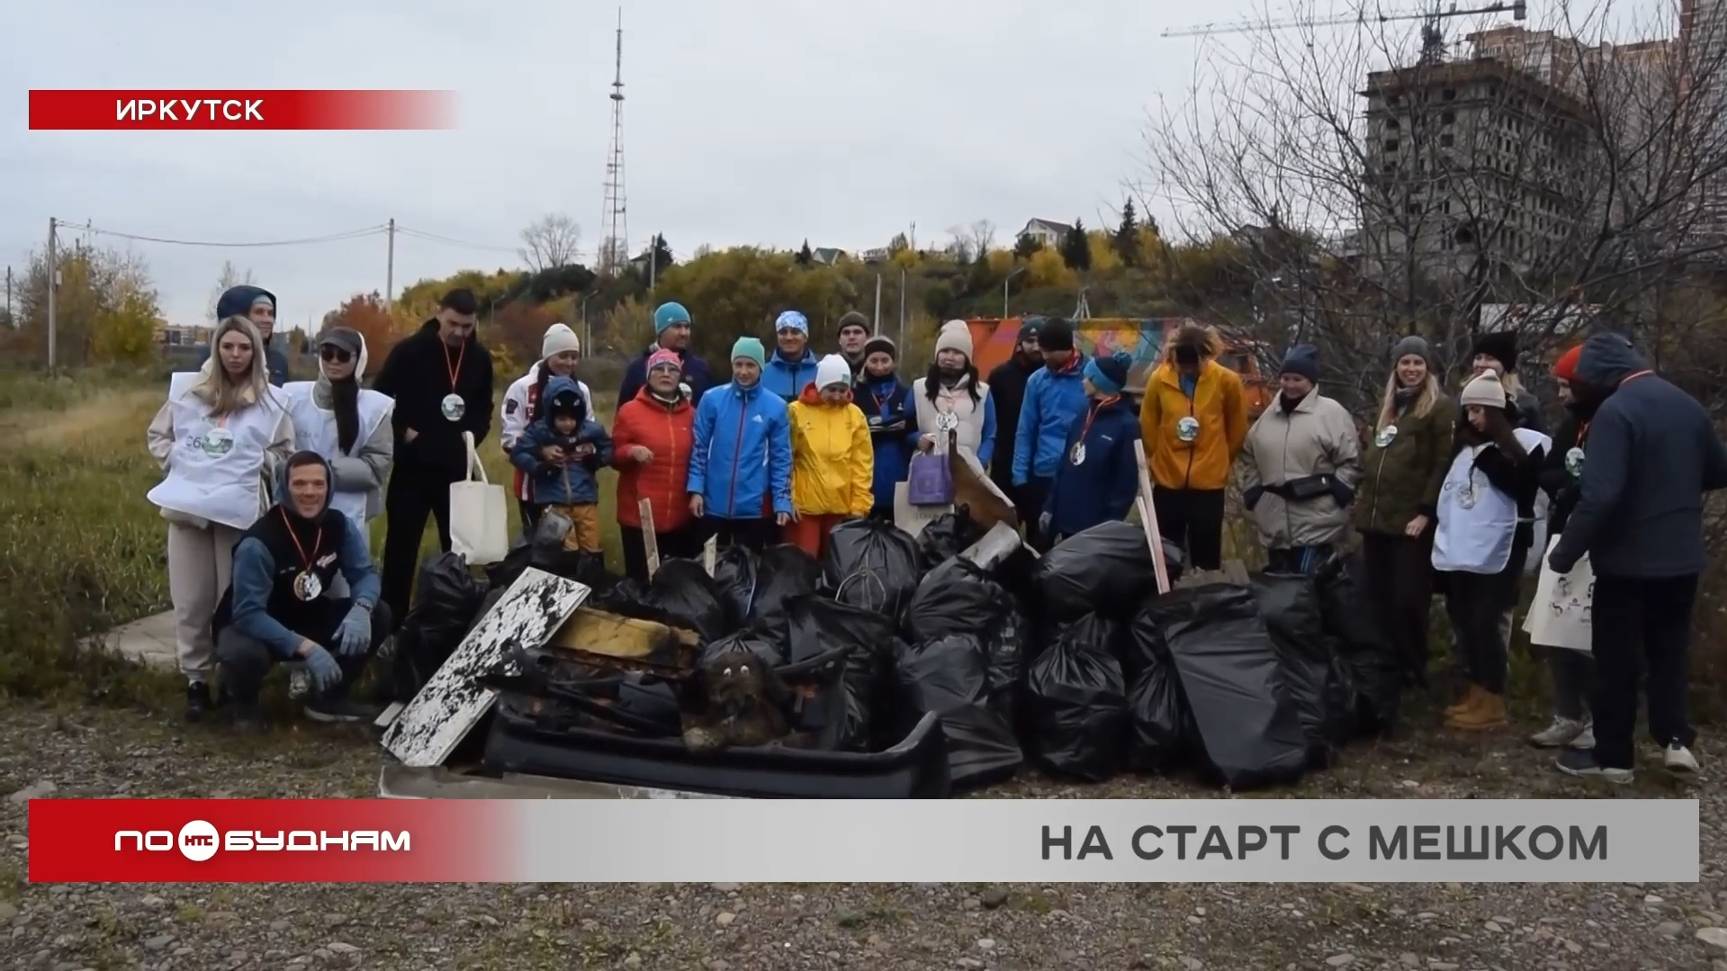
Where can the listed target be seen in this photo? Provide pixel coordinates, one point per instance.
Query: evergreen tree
(1026, 246)
(805, 256)
(1127, 235)
(1075, 251)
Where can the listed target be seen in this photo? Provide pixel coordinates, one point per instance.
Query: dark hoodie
(260, 602)
(417, 375)
(1650, 454)
(237, 302)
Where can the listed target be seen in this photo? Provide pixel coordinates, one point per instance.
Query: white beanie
(1485, 390)
(833, 369)
(954, 336)
(559, 338)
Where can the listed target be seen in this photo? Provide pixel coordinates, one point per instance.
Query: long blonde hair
(224, 394)
(1424, 401)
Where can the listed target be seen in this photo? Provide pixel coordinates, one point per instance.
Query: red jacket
(669, 433)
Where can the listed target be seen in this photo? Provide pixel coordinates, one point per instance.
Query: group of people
(269, 485)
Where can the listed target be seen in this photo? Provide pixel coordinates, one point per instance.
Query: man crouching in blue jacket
(742, 456)
(1098, 476)
(561, 450)
(276, 608)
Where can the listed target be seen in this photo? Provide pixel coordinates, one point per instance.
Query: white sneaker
(1678, 760)
(1562, 732)
(1585, 739)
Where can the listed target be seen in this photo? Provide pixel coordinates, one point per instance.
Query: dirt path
(93, 752)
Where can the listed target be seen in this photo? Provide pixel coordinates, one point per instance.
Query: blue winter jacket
(564, 485)
(743, 447)
(1051, 402)
(1103, 487)
(787, 379)
(893, 432)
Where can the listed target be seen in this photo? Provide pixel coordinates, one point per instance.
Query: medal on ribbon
(1187, 429)
(1386, 436)
(307, 586)
(1077, 454)
(452, 406)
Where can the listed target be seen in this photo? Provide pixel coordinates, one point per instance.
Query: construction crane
(1432, 40)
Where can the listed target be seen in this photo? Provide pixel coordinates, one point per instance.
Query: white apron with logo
(315, 431)
(1475, 535)
(217, 465)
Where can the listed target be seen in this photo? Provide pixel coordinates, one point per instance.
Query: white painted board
(453, 701)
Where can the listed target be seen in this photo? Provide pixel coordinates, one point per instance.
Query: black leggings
(1193, 519)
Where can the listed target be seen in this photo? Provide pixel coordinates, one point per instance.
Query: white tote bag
(1561, 615)
(479, 520)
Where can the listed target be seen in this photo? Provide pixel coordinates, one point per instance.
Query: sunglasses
(332, 353)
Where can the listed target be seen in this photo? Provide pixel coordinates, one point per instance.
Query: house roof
(1047, 225)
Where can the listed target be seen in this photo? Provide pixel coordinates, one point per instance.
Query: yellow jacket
(1221, 409)
(833, 463)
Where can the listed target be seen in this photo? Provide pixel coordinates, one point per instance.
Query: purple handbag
(930, 482)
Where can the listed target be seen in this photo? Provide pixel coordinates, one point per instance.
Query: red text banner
(217, 110)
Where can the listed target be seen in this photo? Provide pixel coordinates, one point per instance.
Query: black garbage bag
(1078, 701)
(1244, 728)
(1313, 676)
(1008, 647)
(872, 564)
(681, 595)
(956, 597)
(783, 574)
(950, 677)
(585, 568)
(945, 537)
(1375, 669)
(735, 575)
(1156, 713)
(1106, 569)
(864, 641)
(446, 604)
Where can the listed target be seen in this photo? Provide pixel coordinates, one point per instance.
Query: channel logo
(199, 840)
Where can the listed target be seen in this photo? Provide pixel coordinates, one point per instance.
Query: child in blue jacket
(887, 404)
(561, 451)
(1098, 476)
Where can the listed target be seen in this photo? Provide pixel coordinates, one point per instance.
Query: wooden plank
(1148, 518)
(452, 702)
(613, 635)
(710, 554)
(650, 539)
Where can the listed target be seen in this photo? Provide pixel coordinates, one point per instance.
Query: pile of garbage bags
(1072, 661)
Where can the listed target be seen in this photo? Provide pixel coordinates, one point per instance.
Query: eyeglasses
(330, 352)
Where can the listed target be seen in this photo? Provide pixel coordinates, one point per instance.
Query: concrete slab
(149, 640)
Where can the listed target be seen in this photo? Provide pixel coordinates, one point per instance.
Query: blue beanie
(1109, 374)
(670, 315)
(792, 320)
(1302, 359)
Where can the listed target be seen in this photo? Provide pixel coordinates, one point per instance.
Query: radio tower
(615, 249)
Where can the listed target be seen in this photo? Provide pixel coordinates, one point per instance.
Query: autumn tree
(106, 309)
(1026, 246)
(550, 241)
(741, 290)
(518, 328)
(230, 277)
(365, 312)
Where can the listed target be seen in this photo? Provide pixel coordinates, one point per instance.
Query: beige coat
(1317, 438)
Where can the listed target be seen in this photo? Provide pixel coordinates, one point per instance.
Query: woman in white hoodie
(346, 425)
(560, 355)
(219, 438)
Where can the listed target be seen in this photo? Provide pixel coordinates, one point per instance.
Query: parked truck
(994, 339)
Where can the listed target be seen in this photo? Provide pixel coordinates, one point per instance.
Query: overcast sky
(761, 122)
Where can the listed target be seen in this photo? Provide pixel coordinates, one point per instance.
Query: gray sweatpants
(200, 565)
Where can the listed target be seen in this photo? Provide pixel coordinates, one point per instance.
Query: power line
(434, 237)
(328, 238)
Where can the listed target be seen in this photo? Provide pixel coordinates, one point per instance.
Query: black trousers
(1193, 519)
(1398, 583)
(1028, 501)
(1655, 616)
(414, 493)
(756, 534)
(685, 543)
(246, 662)
(1478, 604)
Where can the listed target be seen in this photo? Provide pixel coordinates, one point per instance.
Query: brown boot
(1489, 712)
(1471, 693)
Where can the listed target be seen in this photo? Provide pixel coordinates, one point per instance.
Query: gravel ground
(97, 752)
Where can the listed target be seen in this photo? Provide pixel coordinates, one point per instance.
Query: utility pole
(878, 305)
(1004, 284)
(9, 321)
(653, 261)
(901, 337)
(53, 284)
(390, 269)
